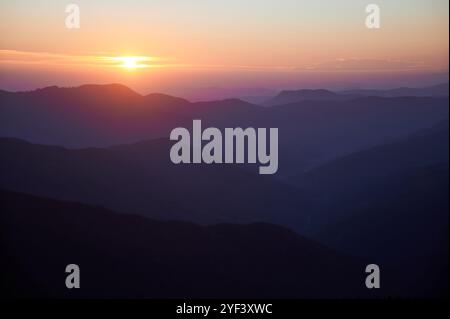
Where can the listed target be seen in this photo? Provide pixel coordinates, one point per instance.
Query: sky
(228, 44)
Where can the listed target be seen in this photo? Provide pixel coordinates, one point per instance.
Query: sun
(131, 62)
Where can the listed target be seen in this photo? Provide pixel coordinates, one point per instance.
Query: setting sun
(131, 62)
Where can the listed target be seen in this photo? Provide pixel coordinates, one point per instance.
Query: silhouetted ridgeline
(294, 96)
(129, 256)
(311, 132)
(140, 178)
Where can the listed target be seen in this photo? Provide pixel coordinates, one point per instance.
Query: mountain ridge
(170, 259)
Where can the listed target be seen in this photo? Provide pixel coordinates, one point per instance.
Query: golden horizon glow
(16, 58)
(186, 43)
(131, 62)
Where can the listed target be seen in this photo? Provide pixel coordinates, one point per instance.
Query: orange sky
(192, 43)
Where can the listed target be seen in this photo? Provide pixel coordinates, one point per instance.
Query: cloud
(15, 57)
(356, 64)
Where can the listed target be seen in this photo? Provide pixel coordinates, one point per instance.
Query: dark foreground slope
(389, 204)
(130, 256)
(402, 223)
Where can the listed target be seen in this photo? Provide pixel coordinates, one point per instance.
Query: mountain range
(140, 178)
(310, 132)
(86, 173)
(295, 96)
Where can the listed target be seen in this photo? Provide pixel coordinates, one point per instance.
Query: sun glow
(131, 62)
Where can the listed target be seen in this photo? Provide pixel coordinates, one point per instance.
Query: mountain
(367, 176)
(252, 95)
(313, 133)
(402, 223)
(388, 204)
(294, 96)
(340, 186)
(99, 113)
(127, 256)
(353, 172)
(310, 132)
(164, 100)
(440, 90)
(140, 179)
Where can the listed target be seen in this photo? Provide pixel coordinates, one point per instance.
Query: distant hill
(252, 95)
(426, 147)
(342, 185)
(127, 256)
(440, 90)
(294, 96)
